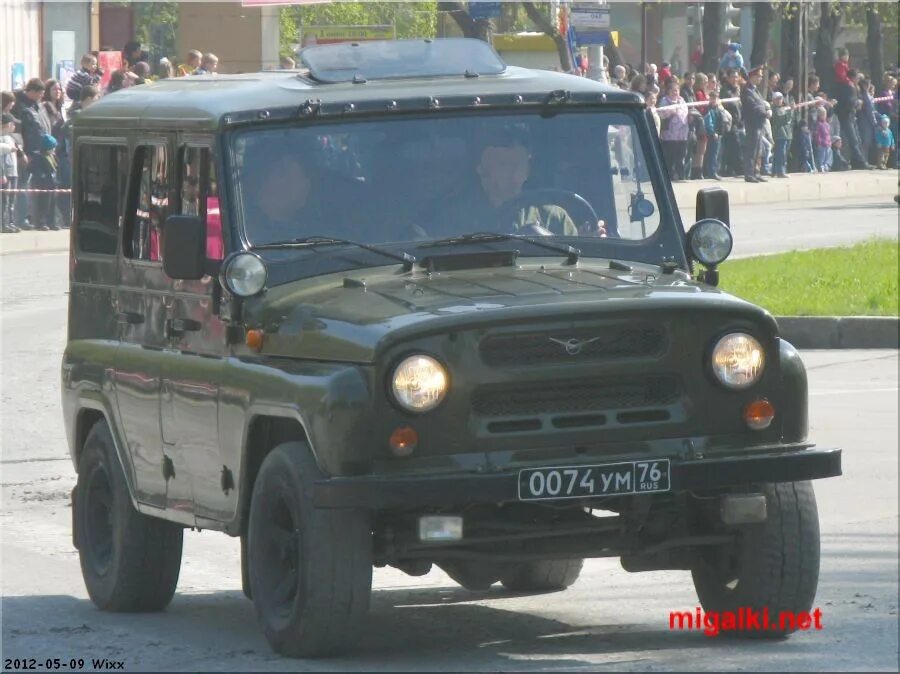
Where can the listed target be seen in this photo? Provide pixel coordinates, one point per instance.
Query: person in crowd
(805, 155)
(209, 65)
(52, 103)
(699, 125)
(650, 99)
(7, 101)
(732, 154)
(639, 85)
(888, 87)
(867, 118)
(842, 67)
(766, 144)
(732, 59)
(694, 118)
(89, 74)
(716, 122)
(838, 160)
(846, 109)
(189, 67)
(884, 142)
(134, 53)
(665, 75)
(822, 141)
(287, 63)
(141, 72)
(118, 80)
(782, 133)
(33, 125)
(9, 173)
(753, 107)
(42, 166)
(652, 74)
(164, 69)
(673, 113)
(772, 85)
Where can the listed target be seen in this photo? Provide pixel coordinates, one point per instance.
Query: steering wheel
(577, 207)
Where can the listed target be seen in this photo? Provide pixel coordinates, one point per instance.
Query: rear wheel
(773, 565)
(544, 576)
(129, 561)
(310, 569)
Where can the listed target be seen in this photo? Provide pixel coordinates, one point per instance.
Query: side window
(200, 195)
(102, 175)
(637, 216)
(150, 206)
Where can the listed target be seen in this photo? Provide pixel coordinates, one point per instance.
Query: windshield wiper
(312, 241)
(572, 254)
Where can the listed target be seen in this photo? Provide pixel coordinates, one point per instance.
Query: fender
(795, 415)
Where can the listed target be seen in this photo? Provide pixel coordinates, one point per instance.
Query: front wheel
(310, 569)
(129, 561)
(773, 565)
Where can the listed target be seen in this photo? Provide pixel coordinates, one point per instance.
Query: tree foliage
(412, 19)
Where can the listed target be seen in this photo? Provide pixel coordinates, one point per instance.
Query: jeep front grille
(575, 396)
(582, 345)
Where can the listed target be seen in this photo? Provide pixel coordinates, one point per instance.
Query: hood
(353, 316)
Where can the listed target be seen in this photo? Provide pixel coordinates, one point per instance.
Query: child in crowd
(884, 141)
(822, 140)
(42, 166)
(782, 132)
(805, 156)
(9, 173)
(838, 160)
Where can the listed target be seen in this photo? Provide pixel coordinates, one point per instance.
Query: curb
(34, 242)
(840, 332)
(799, 187)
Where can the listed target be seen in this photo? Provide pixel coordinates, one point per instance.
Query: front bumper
(379, 493)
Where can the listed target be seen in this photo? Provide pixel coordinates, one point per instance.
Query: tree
(790, 47)
(829, 24)
(763, 18)
(874, 42)
(712, 35)
(541, 18)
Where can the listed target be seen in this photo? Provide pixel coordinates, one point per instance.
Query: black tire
(544, 576)
(774, 565)
(129, 561)
(472, 575)
(310, 569)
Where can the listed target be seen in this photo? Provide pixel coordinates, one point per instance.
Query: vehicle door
(197, 339)
(144, 295)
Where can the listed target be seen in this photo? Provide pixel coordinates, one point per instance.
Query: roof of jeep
(204, 101)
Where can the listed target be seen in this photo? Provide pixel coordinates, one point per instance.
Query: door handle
(130, 317)
(178, 326)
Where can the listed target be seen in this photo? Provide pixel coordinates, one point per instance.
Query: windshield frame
(669, 237)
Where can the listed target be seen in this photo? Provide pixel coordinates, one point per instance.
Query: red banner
(109, 61)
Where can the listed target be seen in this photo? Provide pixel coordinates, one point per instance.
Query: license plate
(611, 479)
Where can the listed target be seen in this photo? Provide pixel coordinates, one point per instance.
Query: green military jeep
(408, 306)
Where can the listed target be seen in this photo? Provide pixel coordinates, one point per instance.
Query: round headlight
(711, 241)
(738, 360)
(244, 274)
(419, 383)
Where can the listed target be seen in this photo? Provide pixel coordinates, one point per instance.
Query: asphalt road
(608, 619)
(763, 229)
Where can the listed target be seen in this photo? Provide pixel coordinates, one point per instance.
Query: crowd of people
(36, 133)
(732, 123)
(727, 123)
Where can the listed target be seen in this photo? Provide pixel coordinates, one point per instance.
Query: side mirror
(184, 247)
(712, 203)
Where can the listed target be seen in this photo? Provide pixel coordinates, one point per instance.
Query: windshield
(574, 177)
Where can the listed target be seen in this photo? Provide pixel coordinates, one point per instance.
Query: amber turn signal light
(758, 415)
(403, 441)
(254, 339)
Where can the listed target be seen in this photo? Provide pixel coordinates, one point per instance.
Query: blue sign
(595, 37)
(17, 75)
(483, 10)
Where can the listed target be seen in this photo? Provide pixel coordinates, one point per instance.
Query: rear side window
(149, 205)
(102, 175)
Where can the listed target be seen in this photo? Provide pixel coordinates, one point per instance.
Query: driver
(277, 188)
(503, 167)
